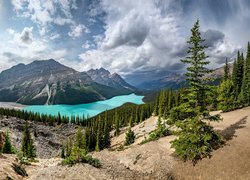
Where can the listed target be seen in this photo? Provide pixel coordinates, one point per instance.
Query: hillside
(154, 160)
(49, 82)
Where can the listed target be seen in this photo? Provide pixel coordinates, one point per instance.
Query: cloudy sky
(131, 37)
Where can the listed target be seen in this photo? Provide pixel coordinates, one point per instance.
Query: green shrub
(196, 142)
(76, 152)
(8, 148)
(92, 161)
(160, 131)
(19, 169)
(130, 137)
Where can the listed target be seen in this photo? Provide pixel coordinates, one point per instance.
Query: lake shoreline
(88, 109)
(12, 105)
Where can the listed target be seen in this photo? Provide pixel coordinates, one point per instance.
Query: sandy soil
(141, 131)
(6, 170)
(229, 162)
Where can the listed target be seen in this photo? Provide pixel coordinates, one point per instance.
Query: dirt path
(230, 162)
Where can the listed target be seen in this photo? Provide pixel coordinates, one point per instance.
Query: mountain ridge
(103, 76)
(176, 80)
(50, 82)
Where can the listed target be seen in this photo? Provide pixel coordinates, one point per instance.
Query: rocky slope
(154, 160)
(48, 139)
(49, 82)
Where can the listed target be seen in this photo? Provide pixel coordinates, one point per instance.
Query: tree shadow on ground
(229, 133)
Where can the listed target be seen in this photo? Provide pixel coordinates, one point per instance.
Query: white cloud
(77, 30)
(88, 45)
(24, 38)
(10, 31)
(46, 12)
(54, 36)
(62, 21)
(23, 47)
(146, 35)
(27, 36)
(137, 37)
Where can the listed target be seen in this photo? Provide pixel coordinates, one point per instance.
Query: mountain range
(49, 82)
(176, 80)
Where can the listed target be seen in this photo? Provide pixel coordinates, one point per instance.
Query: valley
(124, 90)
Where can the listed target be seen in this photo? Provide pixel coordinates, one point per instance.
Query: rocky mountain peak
(49, 82)
(103, 76)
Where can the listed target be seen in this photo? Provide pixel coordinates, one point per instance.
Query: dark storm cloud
(12, 57)
(26, 35)
(212, 37)
(132, 31)
(176, 66)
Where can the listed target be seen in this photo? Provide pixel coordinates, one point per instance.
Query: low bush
(19, 169)
(160, 131)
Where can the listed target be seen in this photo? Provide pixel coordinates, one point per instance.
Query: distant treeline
(44, 118)
(234, 91)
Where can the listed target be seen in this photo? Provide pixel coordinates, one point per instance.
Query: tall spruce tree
(117, 124)
(130, 137)
(79, 141)
(226, 71)
(226, 92)
(238, 72)
(195, 138)
(246, 79)
(28, 148)
(156, 106)
(98, 136)
(234, 73)
(106, 138)
(7, 147)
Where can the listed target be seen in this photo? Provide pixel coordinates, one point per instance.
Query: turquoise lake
(90, 109)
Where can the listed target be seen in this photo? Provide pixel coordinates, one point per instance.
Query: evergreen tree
(238, 72)
(117, 124)
(226, 71)
(226, 92)
(98, 136)
(79, 139)
(156, 107)
(195, 139)
(234, 73)
(246, 79)
(85, 139)
(27, 148)
(69, 146)
(162, 103)
(59, 119)
(130, 137)
(106, 137)
(142, 114)
(62, 152)
(7, 147)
